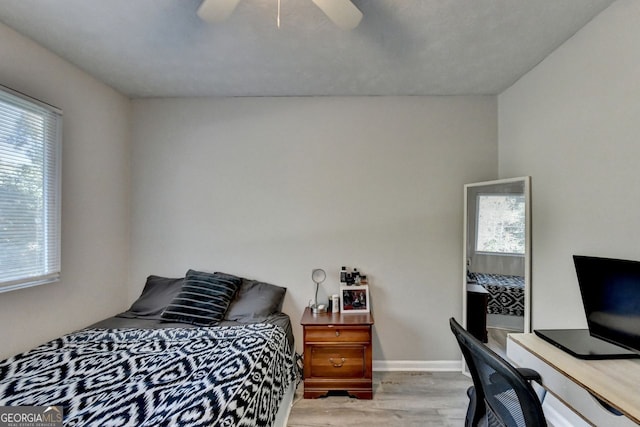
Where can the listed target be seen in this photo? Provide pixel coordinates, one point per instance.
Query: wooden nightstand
(337, 354)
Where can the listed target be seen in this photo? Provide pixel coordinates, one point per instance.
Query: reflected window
(500, 224)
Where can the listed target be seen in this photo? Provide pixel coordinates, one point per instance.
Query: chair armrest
(530, 374)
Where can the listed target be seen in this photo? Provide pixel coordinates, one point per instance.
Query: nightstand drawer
(337, 361)
(337, 334)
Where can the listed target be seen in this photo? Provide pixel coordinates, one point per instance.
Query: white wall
(573, 124)
(271, 188)
(95, 199)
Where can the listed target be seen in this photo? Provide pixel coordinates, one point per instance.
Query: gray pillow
(255, 300)
(203, 299)
(158, 292)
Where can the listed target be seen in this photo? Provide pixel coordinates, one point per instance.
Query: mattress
(127, 320)
(124, 372)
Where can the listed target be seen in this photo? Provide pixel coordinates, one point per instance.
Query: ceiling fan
(343, 13)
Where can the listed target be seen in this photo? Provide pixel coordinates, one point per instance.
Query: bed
(506, 293)
(164, 363)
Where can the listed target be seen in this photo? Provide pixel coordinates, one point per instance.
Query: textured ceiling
(160, 48)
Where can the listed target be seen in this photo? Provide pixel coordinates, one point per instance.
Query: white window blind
(30, 142)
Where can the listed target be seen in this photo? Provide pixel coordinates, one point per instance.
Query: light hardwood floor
(403, 399)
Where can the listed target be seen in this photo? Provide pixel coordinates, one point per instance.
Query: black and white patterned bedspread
(506, 293)
(218, 376)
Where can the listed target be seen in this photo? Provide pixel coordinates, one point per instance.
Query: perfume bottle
(343, 276)
(356, 276)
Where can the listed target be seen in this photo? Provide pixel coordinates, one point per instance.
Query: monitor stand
(579, 343)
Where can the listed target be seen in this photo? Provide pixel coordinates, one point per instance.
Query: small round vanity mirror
(318, 276)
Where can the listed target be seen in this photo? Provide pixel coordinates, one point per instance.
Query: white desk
(575, 381)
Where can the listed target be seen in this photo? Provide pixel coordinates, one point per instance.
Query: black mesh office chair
(501, 394)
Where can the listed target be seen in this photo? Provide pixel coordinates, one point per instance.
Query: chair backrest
(509, 398)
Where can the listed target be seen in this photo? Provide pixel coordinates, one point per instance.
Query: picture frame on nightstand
(355, 299)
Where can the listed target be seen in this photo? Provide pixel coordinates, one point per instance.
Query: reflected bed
(506, 293)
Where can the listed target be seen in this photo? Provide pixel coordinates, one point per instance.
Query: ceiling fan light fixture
(343, 13)
(214, 11)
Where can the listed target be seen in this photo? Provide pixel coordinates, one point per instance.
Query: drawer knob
(337, 365)
(337, 333)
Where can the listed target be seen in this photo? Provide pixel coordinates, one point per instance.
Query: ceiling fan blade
(216, 10)
(343, 13)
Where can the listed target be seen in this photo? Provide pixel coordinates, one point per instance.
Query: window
(30, 141)
(500, 224)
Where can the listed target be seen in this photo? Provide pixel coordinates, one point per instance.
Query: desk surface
(617, 382)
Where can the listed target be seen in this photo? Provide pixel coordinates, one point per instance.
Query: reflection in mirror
(496, 271)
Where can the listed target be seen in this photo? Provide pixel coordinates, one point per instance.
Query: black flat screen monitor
(610, 290)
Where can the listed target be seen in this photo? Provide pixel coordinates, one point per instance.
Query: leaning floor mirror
(496, 297)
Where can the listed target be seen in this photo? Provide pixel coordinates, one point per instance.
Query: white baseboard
(418, 365)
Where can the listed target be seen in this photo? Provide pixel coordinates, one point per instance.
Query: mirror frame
(526, 180)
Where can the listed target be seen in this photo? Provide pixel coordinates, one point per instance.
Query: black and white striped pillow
(203, 299)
